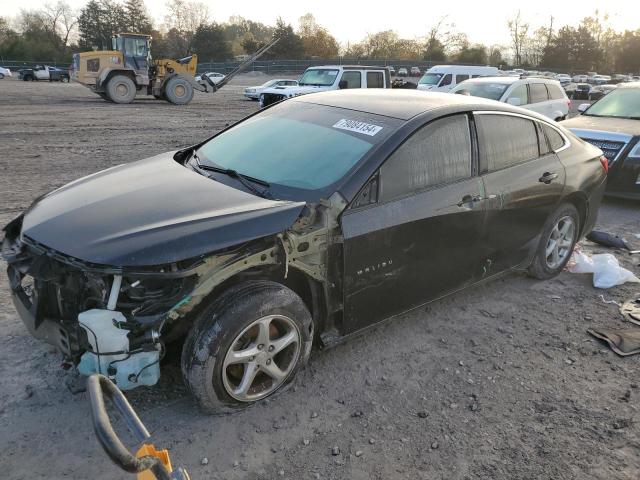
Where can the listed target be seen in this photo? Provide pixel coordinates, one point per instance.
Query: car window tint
(543, 145)
(446, 80)
(505, 140)
(555, 139)
(461, 78)
(375, 80)
(555, 93)
(538, 92)
(353, 79)
(520, 92)
(437, 153)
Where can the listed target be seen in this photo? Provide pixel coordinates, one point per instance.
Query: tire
(549, 262)
(1, 76)
(261, 100)
(178, 91)
(64, 79)
(103, 96)
(225, 326)
(121, 89)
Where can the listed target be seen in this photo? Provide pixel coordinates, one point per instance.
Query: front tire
(558, 238)
(178, 91)
(246, 346)
(121, 89)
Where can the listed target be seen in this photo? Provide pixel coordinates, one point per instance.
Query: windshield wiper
(245, 180)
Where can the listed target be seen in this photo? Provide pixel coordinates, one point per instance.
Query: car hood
(293, 91)
(603, 124)
(151, 212)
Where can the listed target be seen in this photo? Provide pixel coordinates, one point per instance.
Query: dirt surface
(498, 382)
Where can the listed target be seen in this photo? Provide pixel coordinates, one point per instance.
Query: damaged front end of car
(116, 320)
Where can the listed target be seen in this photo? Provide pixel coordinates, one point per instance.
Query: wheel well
(579, 201)
(126, 73)
(309, 290)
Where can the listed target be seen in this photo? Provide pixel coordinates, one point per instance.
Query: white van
(443, 78)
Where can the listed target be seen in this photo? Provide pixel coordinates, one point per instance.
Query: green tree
(210, 44)
(290, 44)
(137, 17)
(476, 54)
(316, 40)
(628, 55)
(99, 20)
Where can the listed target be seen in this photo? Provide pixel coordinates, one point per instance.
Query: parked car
(599, 91)
(563, 78)
(415, 72)
(254, 92)
(443, 78)
(44, 72)
(580, 78)
(578, 91)
(329, 77)
(253, 253)
(402, 72)
(542, 95)
(392, 70)
(4, 72)
(599, 79)
(215, 77)
(613, 125)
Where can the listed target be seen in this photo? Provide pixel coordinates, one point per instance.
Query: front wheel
(247, 345)
(558, 238)
(178, 91)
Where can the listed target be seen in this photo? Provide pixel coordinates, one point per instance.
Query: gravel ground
(498, 382)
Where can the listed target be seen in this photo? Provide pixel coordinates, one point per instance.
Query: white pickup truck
(329, 77)
(44, 72)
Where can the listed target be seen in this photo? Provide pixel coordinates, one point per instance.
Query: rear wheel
(178, 91)
(558, 238)
(247, 345)
(1, 76)
(121, 89)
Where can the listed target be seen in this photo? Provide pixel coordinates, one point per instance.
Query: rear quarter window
(555, 139)
(538, 92)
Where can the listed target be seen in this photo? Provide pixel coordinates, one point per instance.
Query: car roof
(403, 104)
(349, 67)
(629, 85)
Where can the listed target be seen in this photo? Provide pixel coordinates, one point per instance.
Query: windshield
(300, 146)
(621, 103)
(430, 79)
(320, 77)
(492, 91)
(269, 83)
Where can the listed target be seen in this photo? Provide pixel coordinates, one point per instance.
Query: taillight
(605, 163)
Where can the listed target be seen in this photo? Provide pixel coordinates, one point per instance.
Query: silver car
(254, 92)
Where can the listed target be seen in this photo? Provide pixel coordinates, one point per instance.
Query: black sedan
(613, 125)
(307, 221)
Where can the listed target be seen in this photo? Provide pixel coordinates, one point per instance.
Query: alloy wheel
(560, 242)
(261, 358)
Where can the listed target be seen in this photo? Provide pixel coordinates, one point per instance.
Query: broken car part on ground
(251, 251)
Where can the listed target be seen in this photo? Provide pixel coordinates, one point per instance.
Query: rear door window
(438, 153)
(461, 78)
(538, 92)
(505, 140)
(375, 80)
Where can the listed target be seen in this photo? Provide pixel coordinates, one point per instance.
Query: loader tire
(178, 91)
(121, 89)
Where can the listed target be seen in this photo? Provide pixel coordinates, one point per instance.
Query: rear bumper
(593, 206)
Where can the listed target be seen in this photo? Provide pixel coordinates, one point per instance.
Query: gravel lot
(498, 382)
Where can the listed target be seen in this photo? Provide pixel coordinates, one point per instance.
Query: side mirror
(515, 101)
(342, 84)
(583, 107)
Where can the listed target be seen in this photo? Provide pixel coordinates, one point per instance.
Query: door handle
(548, 177)
(469, 199)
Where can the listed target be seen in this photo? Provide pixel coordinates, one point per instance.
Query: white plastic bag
(606, 270)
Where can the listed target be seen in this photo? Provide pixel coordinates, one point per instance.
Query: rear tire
(557, 240)
(1, 76)
(178, 91)
(121, 89)
(225, 360)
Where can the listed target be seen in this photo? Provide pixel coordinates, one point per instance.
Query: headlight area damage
(116, 320)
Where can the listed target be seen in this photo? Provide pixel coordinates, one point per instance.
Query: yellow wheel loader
(119, 74)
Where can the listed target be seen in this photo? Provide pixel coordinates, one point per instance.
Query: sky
(484, 21)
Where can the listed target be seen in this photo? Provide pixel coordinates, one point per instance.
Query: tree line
(56, 31)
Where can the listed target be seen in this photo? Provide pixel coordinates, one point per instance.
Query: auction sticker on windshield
(359, 127)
